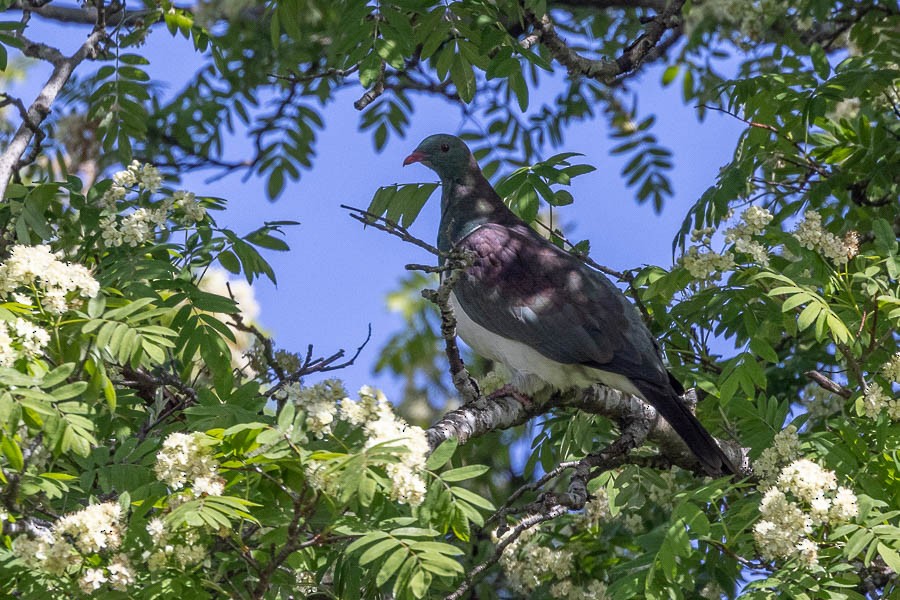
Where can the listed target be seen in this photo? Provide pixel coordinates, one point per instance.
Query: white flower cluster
(323, 402)
(634, 523)
(785, 448)
(191, 210)
(788, 525)
(813, 236)
(753, 222)
(566, 590)
(36, 267)
(891, 369)
(118, 573)
(384, 427)
(63, 549)
(706, 265)
(319, 402)
(529, 565)
(596, 510)
(21, 338)
(145, 176)
(662, 495)
(139, 226)
(876, 400)
(182, 549)
(185, 460)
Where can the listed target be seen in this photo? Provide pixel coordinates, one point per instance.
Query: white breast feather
(532, 370)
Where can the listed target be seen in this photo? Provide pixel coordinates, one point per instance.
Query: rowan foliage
(155, 443)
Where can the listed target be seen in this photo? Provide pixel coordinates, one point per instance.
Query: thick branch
(10, 159)
(646, 47)
(491, 414)
(85, 15)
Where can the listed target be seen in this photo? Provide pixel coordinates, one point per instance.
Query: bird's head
(445, 154)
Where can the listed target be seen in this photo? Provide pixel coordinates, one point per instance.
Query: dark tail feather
(700, 442)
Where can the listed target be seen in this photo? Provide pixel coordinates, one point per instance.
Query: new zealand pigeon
(551, 319)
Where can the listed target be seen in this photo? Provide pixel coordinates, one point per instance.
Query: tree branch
(646, 48)
(86, 15)
(491, 414)
(11, 158)
(827, 384)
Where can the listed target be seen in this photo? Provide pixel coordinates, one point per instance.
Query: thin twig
(388, 226)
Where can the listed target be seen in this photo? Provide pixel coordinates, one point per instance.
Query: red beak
(414, 157)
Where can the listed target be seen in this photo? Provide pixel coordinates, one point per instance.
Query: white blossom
(136, 228)
(891, 369)
(753, 222)
(808, 552)
(111, 197)
(145, 176)
(191, 208)
(813, 236)
(597, 510)
(121, 574)
(785, 448)
(185, 461)
(634, 523)
(37, 266)
(876, 400)
(109, 231)
(528, 564)
(210, 486)
(91, 580)
(156, 527)
(806, 479)
(8, 354)
(806, 497)
(126, 178)
(33, 338)
(706, 265)
(94, 528)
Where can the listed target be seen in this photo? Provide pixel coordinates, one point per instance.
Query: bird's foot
(510, 390)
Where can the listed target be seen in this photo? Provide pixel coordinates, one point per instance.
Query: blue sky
(334, 281)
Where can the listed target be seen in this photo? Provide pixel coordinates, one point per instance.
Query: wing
(524, 288)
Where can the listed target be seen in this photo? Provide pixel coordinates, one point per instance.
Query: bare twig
(463, 382)
(827, 384)
(312, 365)
(383, 224)
(509, 538)
(371, 95)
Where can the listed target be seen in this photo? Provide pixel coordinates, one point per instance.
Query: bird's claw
(510, 390)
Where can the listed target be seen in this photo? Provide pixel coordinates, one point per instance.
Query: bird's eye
(445, 147)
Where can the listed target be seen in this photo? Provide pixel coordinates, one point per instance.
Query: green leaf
(378, 550)
(390, 566)
(228, 260)
(369, 538)
(12, 452)
(890, 556)
(820, 61)
(463, 77)
(441, 454)
(472, 497)
(463, 473)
